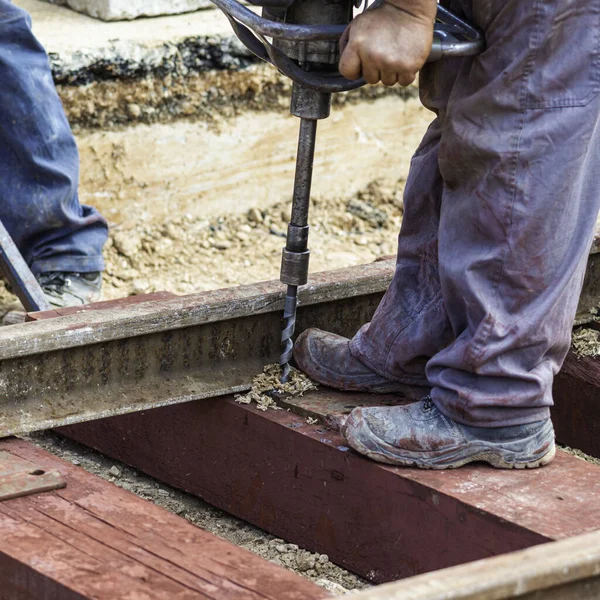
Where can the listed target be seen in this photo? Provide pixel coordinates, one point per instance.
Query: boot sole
(384, 453)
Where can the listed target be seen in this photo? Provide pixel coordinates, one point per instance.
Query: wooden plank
(20, 477)
(565, 570)
(300, 482)
(95, 540)
(576, 411)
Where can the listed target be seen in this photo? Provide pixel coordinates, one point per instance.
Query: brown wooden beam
(301, 482)
(95, 540)
(576, 412)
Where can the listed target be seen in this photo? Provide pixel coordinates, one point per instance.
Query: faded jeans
(500, 211)
(39, 162)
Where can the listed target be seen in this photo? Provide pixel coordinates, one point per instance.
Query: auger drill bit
(309, 105)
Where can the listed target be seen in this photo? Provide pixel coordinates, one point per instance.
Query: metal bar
(20, 477)
(302, 483)
(297, 244)
(99, 363)
(304, 172)
(19, 275)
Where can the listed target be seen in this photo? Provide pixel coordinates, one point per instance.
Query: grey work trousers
(500, 211)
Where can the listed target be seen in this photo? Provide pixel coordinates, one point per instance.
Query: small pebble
(134, 110)
(115, 471)
(254, 215)
(222, 244)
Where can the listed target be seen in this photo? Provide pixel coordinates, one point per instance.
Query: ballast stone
(124, 10)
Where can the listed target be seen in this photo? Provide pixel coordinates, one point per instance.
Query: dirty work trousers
(500, 210)
(39, 162)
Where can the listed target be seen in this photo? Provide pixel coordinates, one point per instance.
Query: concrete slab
(124, 10)
(62, 30)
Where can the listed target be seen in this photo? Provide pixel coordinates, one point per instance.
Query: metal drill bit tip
(287, 346)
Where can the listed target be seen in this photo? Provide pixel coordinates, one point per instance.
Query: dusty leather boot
(326, 358)
(61, 290)
(419, 435)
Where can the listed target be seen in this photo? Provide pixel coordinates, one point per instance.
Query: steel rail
(100, 363)
(124, 359)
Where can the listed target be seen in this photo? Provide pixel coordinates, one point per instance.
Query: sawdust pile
(586, 342)
(268, 381)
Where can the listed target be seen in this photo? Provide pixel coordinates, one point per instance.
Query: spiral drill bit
(289, 317)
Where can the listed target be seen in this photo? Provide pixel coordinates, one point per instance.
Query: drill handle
(453, 37)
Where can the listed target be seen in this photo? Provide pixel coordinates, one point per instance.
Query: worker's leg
(519, 156)
(39, 163)
(411, 324)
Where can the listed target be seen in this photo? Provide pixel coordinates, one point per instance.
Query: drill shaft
(294, 270)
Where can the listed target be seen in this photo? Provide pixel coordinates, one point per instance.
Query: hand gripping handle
(453, 37)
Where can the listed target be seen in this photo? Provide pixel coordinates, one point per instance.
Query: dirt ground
(188, 254)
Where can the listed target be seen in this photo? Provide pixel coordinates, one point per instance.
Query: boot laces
(55, 281)
(427, 403)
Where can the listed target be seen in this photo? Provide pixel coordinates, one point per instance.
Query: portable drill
(301, 38)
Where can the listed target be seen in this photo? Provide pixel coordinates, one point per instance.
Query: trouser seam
(477, 347)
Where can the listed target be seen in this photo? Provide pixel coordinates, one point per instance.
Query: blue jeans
(39, 162)
(500, 211)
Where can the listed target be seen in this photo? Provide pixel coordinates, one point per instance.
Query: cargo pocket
(565, 68)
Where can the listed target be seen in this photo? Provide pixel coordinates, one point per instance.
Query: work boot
(326, 358)
(61, 290)
(419, 435)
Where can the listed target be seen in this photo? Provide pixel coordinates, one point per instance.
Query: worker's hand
(390, 43)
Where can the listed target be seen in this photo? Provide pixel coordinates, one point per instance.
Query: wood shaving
(268, 382)
(586, 342)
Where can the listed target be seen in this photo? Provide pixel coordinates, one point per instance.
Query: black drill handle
(453, 37)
